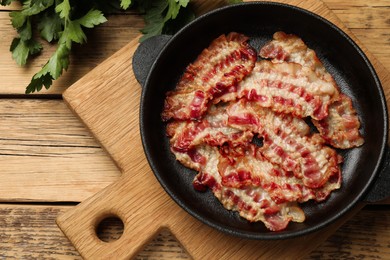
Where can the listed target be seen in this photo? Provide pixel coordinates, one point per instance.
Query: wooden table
(49, 161)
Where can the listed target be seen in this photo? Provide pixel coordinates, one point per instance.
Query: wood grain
(46, 154)
(359, 237)
(30, 232)
(26, 233)
(350, 4)
(123, 144)
(368, 20)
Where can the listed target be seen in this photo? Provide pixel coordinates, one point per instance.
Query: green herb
(64, 22)
(160, 12)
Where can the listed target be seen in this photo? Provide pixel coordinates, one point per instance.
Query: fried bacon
(252, 203)
(288, 88)
(212, 129)
(225, 100)
(291, 48)
(255, 204)
(245, 114)
(217, 70)
(208, 176)
(283, 144)
(341, 127)
(243, 167)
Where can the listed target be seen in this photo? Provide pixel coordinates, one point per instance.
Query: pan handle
(146, 54)
(381, 187)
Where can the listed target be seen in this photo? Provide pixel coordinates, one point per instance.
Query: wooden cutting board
(107, 101)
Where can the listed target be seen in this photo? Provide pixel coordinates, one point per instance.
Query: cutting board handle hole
(110, 229)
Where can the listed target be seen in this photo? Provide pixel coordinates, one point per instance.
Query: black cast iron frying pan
(169, 55)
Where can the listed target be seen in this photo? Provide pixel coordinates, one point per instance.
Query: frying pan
(159, 62)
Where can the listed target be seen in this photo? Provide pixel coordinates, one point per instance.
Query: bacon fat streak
(225, 100)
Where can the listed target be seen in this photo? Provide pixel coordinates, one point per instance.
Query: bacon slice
(288, 88)
(212, 129)
(208, 176)
(341, 128)
(217, 69)
(250, 115)
(291, 48)
(243, 167)
(284, 144)
(239, 175)
(252, 203)
(307, 157)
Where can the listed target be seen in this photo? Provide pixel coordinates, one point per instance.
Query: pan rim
(283, 234)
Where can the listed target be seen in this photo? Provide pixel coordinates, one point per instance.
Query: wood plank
(30, 232)
(47, 154)
(15, 5)
(374, 40)
(204, 243)
(338, 247)
(365, 18)
(365, 236)
(15, 150)
(379, 41)
(345, 4)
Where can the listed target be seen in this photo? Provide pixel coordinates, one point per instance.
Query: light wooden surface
(48, 157)
(107, 101)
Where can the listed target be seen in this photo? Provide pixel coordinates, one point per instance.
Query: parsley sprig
(64, 22)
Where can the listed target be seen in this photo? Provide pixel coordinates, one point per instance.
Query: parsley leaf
(160, 13)
(57, 62)
(52, 70)
(125, 4)
(24, 46)
(31, 8)
(174, 7)
(154, 19)
(49, 26)
(64, 21)
(63, 9)
(21, 49)
(92, 18)
(17, 19)
(72, 32)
